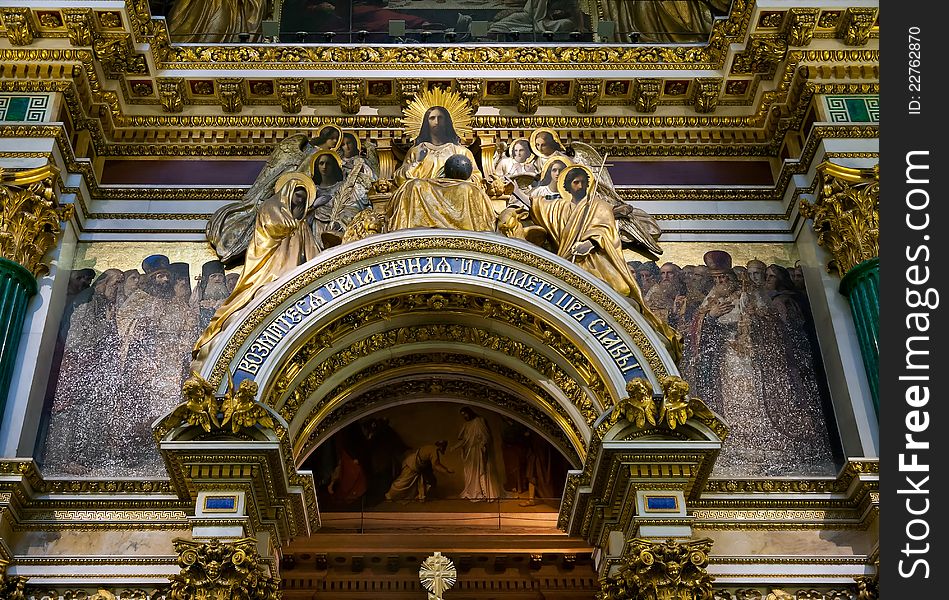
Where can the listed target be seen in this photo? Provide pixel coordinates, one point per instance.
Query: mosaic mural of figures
(122, 352)
(430, 452)
(750, 352)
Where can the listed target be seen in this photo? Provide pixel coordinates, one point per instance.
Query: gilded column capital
(761, 56)
(846, 214)
(290, 91)
(661, 570)
(856, 25)
(30, 216)
(587, 95)
(706, 93)
(19, 25)
(801, 26)
(79, 26)
(231, 92)
(528, 95)
(219, 569)
(350, 92)
(646, 94)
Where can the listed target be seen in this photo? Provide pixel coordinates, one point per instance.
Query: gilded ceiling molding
(646, 94)
(528, 94)
(472, 90)
(705, 96)
(350, 93)
(586, 95)
(856, 25)
(760, 57)
(231, 93)
(171, 94)
(18, 23)
(79, 26)
(407, 88)
(846, 215)
(30, 216)
(290, 91)
(801, 25)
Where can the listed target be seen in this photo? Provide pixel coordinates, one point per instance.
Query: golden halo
(459, 111)
(339, 136)
(308, 166)
(562, 180)
(303, 179)
(549, 165)
(339, 148)
(533, 140)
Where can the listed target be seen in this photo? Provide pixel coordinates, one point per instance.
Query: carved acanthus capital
(801, 26)
(350, 92)
(846, 214)
(408, 89)
(222, 570)
(472, 90)
(646, 94)
(118, 55)
(79, 26)
(667, 570)
(705, 94)
(528, 95)
(231, 92)
(856, 25)
(170, 94)
(587, 95)
(290, 91)
(30, 216)
(19, 25)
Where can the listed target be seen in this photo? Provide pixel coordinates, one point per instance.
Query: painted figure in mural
(210, 293)
(425, 197)
(660, 21)
(539, 16)
(661, 298)
(584, 231)
(156, 329)
(215, 21)
(282, 241)
(231, 227)
(338, 197)
(82, 418)
(417, 478)
(477, 449)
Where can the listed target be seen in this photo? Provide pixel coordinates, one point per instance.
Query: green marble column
(30, 219)
(861, 286)
(847, 223)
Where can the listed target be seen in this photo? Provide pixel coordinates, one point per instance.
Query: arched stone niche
(439, 315)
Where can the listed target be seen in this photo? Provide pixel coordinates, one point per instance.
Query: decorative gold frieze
(646, 94)
(171, 94)
(471, 90)
(586, 95)
(761, 56)
(661, 571)
(19, 25)
(231, 93)
(856, 25)
(290, 91)
(801, 26)
(79, 26)
(218, 570)
(528, 95)
(30, 216)
(117, 56)
(705, 94)
(350, 93)
(846, 214)
(408, 89)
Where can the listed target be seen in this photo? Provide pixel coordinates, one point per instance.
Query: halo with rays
(458, 109)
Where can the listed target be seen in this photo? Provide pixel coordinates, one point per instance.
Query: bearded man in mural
(426, 196)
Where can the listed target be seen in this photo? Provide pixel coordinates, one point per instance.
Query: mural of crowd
(751, 353)
(122, 352)
(434, 452)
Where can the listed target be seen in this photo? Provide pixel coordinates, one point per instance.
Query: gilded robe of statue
(570, 222)
(281, 242)
(426, 198)
(214, 21)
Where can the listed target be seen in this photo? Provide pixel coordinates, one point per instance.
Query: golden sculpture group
(557, 196)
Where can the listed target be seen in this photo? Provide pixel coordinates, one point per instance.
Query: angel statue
(282, 240)
(425, 196)
(232, 226)
(339, 196)
(355, 157)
